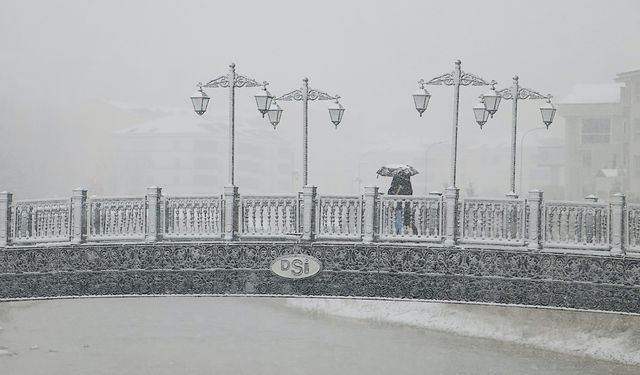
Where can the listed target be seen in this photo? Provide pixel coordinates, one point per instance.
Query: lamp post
(456, 79)
(516, 93)
(232, 80)
(304, 94)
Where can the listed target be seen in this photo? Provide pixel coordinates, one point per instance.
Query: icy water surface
(188, 335)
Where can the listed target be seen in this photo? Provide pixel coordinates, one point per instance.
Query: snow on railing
(192, 217)
(339, 217)
(493, 221)
(576, 225)
(117, 218)
(633, 225)
(269, 216)
(531, 224)
(41, 220)
(404, 217)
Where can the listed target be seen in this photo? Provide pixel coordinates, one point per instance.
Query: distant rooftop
(593, 93)
(628, 74)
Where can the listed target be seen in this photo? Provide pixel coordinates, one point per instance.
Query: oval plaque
(296, 266)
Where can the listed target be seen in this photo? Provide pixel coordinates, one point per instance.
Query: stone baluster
(451, 195)
(535, 234)
(154, 226)
(370, 217)
(230, 212)
(308, 215)
(5, 218)
(618, 224)
(79, 215)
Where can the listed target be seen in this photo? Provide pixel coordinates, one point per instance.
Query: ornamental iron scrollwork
(467, 79)
(449, 79)
(293, 95)
(240, 81)
(523, 93)
(356, 270)
(313, 94)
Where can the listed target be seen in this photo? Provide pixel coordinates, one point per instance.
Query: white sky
(60, 59)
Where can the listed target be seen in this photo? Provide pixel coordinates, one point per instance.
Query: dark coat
(400, 185)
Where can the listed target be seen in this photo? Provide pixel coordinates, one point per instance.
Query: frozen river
(188, 335)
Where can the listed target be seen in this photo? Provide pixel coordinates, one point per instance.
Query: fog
(75, 72)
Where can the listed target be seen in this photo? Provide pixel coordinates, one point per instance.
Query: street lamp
(304, 94)
(274, 113)
(548, 111)
(516, 93)
(421, 98)
(336, 111)
(456, 79)
(480, 112)
(491, 100)
(200, 100)
(263, 99)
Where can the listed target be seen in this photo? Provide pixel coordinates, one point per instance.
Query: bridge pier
(535, 220)
(231, 213)
(79, 215)
(154, 226)
(370, 198)
(451, 195)
(617, 224)
(308, 214)
(5, 218)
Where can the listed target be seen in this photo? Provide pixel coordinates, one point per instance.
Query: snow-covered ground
(607, 336)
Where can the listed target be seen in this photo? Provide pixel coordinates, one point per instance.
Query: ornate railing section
(527, 224)
(410, 218)
(117, 218)
(493, 221)
(269, 216)
(41, 221)
(339, 217)
(633, 227)
(192, 217)
(576, 225)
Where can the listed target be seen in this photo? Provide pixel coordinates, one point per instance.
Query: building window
(596, 130)
(636, 129)
(586, 158)
(636, 165)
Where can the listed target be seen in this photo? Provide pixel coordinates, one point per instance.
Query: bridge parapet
(527, 224)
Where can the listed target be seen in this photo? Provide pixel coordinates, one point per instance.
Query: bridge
(524, 251)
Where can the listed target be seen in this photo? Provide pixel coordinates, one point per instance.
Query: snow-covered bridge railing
(192, 217)
(523, 223)
(40, 221)
(496, 221)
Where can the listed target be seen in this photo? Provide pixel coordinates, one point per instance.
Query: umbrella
(393, 170)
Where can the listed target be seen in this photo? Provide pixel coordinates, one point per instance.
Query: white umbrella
(393, 170)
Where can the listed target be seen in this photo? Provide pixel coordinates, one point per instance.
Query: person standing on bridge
(401, 185)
